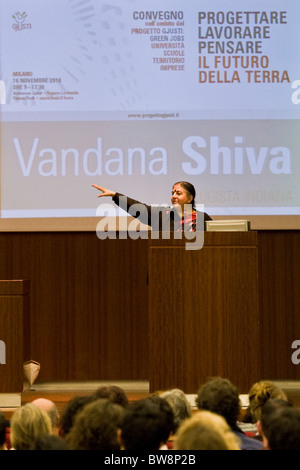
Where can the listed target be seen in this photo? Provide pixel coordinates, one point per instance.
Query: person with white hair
(51, 409)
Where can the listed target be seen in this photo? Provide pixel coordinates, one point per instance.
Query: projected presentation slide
(135, 95)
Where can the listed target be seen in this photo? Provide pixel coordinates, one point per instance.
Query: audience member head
(27, 424)
(96, 427)
(3, 426)
(147, 425)
(259, 394)
(280, 425)
(179, 404)
(50, 442)
(113, 393)
(72, 408)
(51, 409)
(220, 396)
(205, 431)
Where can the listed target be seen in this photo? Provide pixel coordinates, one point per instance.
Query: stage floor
(61, 392)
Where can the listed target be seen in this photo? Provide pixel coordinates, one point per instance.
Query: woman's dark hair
(190, 189)
(113, 393)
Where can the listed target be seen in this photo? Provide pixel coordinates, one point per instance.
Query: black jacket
(160, 218)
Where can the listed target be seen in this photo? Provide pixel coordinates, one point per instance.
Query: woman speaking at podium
(181, 216)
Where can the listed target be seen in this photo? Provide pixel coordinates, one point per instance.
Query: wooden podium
(203, 311)
(14, 337)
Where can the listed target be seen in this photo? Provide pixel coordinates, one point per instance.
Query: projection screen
(135, 95)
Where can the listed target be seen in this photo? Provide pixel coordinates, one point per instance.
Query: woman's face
(180, 197)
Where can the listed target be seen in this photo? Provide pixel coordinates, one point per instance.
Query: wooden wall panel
(279, 274)
(14, 315)
(88, 303)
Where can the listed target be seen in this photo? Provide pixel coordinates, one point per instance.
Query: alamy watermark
(2, 352)
(2, 92)
(113, 226)
(296, 354)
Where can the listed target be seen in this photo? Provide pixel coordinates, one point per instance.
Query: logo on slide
(20, 24)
